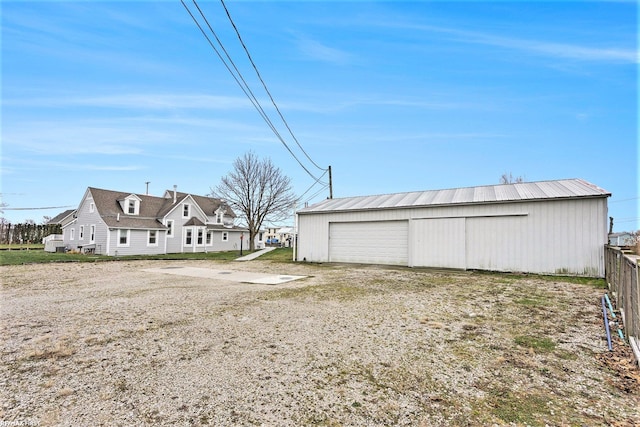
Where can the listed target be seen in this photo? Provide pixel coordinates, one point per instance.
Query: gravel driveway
(111, 344)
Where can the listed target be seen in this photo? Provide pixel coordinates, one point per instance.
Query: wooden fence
(621, 272)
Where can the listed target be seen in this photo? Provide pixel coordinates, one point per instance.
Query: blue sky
(395, 96)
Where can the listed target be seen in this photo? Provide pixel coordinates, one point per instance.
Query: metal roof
(524, 191)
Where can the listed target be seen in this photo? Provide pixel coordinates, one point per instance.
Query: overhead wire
(244, 86)
(313, 185)
(317, 192)
(265, 86)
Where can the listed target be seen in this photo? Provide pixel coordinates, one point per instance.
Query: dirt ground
(111, 344)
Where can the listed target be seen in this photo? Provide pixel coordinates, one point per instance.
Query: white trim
(72, 234)
(92, 207)
(81, 233)
(225, 236)
(92, 233)
(188, 209)
(149, 244)
(200, 236)
(208, 240)
(123, 245)
(171, 232)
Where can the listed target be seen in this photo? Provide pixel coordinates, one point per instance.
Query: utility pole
(147, 187)
(330, 184)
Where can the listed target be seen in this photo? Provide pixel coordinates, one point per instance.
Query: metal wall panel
(497, 243)
(438, 242)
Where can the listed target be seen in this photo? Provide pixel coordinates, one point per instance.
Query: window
(169, 228)
(219, 216)
(81, 233)
(185, 210)
(152, 238)
(92, 234)
(73, 232)
(92, 207)
(123, 237)
(259, 237)
(200, 236)
(132, 205)
(187, 238)
(225, 236)
(209, 236)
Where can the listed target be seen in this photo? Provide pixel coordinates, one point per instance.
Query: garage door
(438, 242)
(378, 242)
(497, 243)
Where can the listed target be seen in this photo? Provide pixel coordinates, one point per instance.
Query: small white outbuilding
(547, 227)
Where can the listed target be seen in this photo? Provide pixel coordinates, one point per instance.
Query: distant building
(279, 236)
(624, 238)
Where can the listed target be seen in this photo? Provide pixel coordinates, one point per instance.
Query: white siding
(381, 242)
(437, 242)
(553, 237)
(137, 243)
(174, 244)
(497, 243)
(85, 217)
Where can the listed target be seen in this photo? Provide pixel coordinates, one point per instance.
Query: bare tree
(508, 178)
(258, 191)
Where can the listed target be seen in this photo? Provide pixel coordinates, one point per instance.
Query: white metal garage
(554, 227)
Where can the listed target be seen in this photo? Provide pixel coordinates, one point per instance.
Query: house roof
(209, 205)
(519, 192)
(61, 216)
(152, 208)
(225, 228)
(194, 221)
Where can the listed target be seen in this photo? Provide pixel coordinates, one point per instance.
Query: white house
(53, 242)
(624, 238)
(549, 227)
(119, 223)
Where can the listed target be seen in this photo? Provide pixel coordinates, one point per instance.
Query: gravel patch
(112, 344)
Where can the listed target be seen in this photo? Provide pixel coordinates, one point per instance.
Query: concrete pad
(229, 275)
(255, 254)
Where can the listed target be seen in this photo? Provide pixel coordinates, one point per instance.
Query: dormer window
(132, 205)
(219, 216)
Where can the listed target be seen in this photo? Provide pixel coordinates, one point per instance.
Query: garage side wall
(548, 237)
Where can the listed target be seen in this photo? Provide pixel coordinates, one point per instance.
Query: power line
(265, 85)
(316, 193)
(624, 200)
(36, 209)
(312, 185)
(245, 88)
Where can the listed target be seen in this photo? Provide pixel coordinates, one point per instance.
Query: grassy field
(39, 256)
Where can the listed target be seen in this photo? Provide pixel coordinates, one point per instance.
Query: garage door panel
(496, 243)
(438, 242)
(376, 242)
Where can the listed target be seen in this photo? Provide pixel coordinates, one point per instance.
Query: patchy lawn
(106, 343)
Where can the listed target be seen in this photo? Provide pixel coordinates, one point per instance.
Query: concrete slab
(233, 276)
(255, 254)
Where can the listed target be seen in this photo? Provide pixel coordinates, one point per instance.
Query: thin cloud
(317, 51)
(538, 47)
(152, 101)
